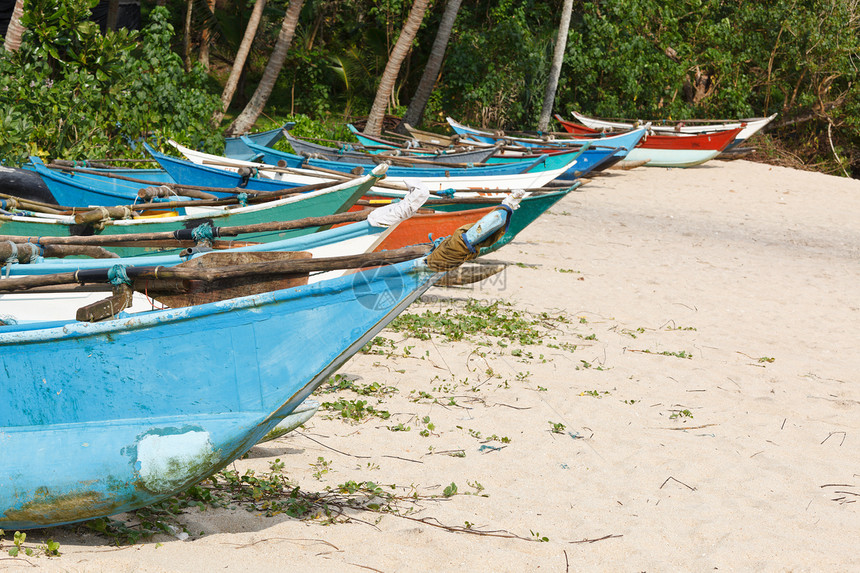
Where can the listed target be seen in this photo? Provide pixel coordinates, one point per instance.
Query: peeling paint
(165, 462)
(47, 509)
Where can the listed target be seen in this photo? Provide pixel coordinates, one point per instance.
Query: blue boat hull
(85, 189)
(102, 418)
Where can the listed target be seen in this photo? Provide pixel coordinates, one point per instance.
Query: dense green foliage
(70, 91)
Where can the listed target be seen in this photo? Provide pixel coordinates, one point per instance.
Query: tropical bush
(71, 92)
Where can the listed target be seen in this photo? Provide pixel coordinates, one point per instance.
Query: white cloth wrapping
(403, 209)
(514, 198)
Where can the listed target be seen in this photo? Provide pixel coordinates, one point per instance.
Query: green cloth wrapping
(452, 252)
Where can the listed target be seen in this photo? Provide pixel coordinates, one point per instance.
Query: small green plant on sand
(556, 427)
(50, 548)
(355, 410)
(321, 467)
(681, 414)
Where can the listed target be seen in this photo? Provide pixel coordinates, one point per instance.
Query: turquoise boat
(234, 147)
(101, 189)
(119, 414)
(106, 417)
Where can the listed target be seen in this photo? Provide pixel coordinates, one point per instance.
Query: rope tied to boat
(13, 258)
(117, 276)
(203, 234)
(242, 198)
(446, 192)
(450, 252)
(9, 204)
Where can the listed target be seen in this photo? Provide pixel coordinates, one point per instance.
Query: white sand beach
(698, 361)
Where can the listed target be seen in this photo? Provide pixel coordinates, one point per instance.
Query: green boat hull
(314, 205)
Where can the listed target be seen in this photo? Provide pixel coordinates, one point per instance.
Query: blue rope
(203, 233)
(243, 199)
(446, 192)
(117, 275)
(13, 258)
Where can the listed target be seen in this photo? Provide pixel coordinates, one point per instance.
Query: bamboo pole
(267, 269)
(183, 235)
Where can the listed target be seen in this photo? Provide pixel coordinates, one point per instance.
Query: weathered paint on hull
(89, 428)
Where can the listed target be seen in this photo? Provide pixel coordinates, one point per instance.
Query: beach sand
(698, 361)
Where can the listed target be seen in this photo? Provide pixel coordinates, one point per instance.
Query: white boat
(749, 126)
(526, 180)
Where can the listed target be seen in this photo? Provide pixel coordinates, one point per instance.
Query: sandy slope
(731, 263)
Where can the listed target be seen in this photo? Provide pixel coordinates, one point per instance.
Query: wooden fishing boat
(213, 170)
(420, 226)
(121, 434)
(590, 158)
(362, 231)
(375, 144)
(357, 238)
(749, 126)
(337, 198)
(626, 141)
(679, 150)
(400, 227)
(430, 138)
(24, 183)
(578, 160)
(234, 147)
(105, 188)
(350, 155)
(284, 159)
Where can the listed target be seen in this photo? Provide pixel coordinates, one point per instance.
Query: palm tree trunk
(434, 64)
(555, 69)
(112, 15)
(392, 68)
(270, 75)
(206, 35)
(15, 29)
(239, 62)
(187, 38)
